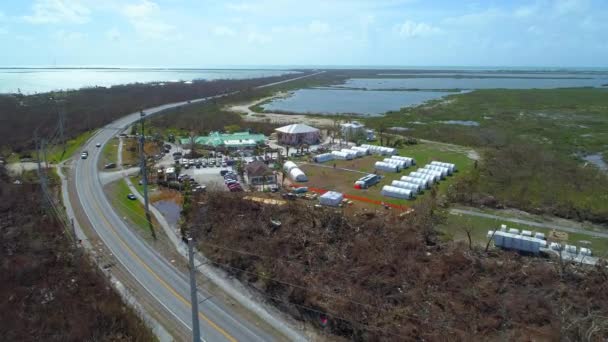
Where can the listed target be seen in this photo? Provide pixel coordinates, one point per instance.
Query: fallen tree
(375, 277)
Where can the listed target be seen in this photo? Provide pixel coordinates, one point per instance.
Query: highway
(165, 283)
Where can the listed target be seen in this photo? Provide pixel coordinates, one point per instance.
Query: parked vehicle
(109, 166)
(131, 197)
(98, 145)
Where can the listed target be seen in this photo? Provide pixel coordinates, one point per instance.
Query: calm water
(476, 83)
(30, 81)
(170, 210)
(333, 101)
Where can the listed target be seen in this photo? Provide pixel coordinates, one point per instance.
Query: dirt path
(276, 117)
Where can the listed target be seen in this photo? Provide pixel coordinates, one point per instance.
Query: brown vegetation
(90, 108)
(380, 277)
(48, 291)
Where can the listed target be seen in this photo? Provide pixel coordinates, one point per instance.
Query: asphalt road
(164, 282)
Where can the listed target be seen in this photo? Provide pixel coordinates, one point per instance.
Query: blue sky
(207, 33)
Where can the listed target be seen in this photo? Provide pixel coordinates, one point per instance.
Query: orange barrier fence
(360, 199)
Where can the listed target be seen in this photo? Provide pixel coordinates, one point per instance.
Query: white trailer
(339, 155)
(331, 198)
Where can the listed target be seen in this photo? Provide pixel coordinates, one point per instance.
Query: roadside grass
(56, 154)
(109, 153)
(129, 152)
(130, 210)
(423, 153)
(140, 188)
(456, 225)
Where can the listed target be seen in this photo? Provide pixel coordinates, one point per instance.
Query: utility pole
(196, 333)
(143, 164)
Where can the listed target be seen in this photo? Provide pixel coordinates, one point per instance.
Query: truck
(367, 181)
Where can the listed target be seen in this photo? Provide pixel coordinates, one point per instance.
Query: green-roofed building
(237, 140)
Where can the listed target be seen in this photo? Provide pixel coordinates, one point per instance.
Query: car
(109, 166)
(98, 145)
(223, 172)
(84, 155)
(224, 164)
(131, 197)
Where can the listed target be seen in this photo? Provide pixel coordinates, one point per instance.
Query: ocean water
(469, 81)
(346, 101)
(30, 81)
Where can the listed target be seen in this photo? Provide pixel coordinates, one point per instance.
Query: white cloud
(223, 31)
(66, 36)
(412, 29)
(146, 19)
(58, 11)
(318, 27)
(570, 6)
(258, 38)
(525, 11)
(113, 34)
(142, 9)
(240, 7)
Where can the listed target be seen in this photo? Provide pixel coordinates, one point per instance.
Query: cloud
(258, 38)
(223, 31)
(411, 29)
(240, 7)
(146, 19)
(66, 36)
(318, 27)
(58, 11)
(113, 34)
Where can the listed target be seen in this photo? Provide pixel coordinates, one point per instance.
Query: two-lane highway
(164, 282)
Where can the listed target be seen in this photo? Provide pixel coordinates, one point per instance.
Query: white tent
(450, 166)
(331, 198)
(289, 165)
(402, 164)
(444, 171)
(391, 191)
(365, 150)
(407, 185)
(435, 175)
(410, 161)
(322, 158)
(341, 155)
(386, 167)
(297, 175)
(354, 153)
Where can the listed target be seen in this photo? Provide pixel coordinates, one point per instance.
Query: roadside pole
(196, 334)
(144, 173)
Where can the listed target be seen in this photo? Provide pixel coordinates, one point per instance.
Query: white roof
(296, 128)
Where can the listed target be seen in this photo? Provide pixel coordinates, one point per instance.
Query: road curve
(166, 284)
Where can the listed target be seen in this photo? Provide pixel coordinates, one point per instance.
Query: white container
(289, 165)
(407, 185)
(585, 251)
(386, 167)
(513, 231)
(331, 198)
(297, 175)
(391, 191)
(503, 227)
(526, 233)
(539, 235)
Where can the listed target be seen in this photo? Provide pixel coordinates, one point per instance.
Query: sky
(213, 33)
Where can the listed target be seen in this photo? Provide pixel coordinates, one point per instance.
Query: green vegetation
(56, 153)
(456, 227)
(109, 153)
(132, 210)
(529, 140)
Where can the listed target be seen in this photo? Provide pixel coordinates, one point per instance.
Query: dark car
(224, 172)
(131, 197)
(109, 166)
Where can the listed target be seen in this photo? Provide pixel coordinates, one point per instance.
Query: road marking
(162, 282)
